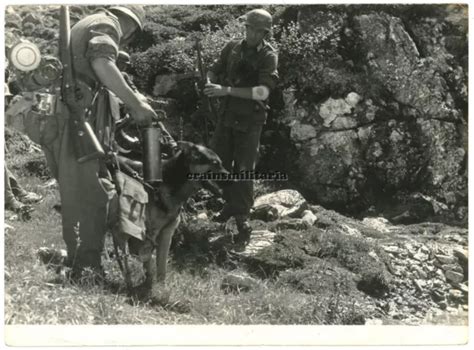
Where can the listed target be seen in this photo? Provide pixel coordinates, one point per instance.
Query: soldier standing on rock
(244, 74)
(86, 188)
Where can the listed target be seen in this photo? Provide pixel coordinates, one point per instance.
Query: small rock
(452, 310)
(455, 295)
(301, 132)
(454, 277)
(444, 259)
(440, 275)
(429, 268)
(373, 322)
(419, 284)
(437, 295)
(392, 249)
(462, 287)
(380, 224)
(391, 307)
(309, 218)
(461, 254)
(452, 267)
(421, 274)
(259, 240)
(401, 262)
(374, 256)
(425, 249)
(333, 108)
(31, 18)
(233, 283)
(291, 224)
(202, 216)
(353, 99)
(420, 257)
(443, 305)
(438, 283)
(287, 202)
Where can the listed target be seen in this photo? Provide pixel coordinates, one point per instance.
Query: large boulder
(377, 106)
(393, 60)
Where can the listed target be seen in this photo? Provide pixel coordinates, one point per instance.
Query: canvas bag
(132, 201)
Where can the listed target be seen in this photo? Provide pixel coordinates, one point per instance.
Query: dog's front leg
(163, 247)
(146, 256)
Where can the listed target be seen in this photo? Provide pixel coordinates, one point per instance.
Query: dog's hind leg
(163, 246)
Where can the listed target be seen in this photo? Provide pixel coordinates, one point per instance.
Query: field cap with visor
(135, 12)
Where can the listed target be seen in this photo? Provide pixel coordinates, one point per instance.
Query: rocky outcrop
(395, 124)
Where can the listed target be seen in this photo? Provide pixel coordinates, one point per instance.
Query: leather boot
(244, 228)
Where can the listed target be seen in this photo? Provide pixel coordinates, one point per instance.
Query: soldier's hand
(143, 114)
(215, 90)
(142, 97)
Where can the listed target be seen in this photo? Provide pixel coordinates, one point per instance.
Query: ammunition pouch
(132, 200)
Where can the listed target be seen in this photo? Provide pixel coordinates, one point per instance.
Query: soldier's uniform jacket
(243, 66)
(86, 188)
(96, 36)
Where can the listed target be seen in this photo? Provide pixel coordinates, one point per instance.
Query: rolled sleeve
(268, 73)
(103, 43)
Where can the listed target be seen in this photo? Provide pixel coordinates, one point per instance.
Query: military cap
(259, 19)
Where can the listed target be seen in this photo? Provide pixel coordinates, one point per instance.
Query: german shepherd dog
(164, 207)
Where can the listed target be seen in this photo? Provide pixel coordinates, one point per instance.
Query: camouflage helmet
(259, 19)
(135, 12)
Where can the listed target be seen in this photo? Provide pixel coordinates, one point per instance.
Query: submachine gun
(86, 144)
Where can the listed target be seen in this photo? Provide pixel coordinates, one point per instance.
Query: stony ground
(304, 265)
(388, 274)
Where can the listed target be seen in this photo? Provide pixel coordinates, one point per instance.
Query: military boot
(244, 228)
(86, 268)
(224, 215)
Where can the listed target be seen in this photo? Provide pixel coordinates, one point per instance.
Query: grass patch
(295, 288)
(36, 295)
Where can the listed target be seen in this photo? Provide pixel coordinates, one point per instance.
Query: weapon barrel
(86, 144)
(64, 50)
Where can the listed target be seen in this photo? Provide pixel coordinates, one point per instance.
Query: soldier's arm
(267, 78)
(112, 78)
(259, 92)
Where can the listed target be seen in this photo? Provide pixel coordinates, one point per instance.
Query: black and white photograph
(236, 164)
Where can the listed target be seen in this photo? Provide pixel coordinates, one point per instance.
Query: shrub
(320, 71)
(179, 55)
(172, 57)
